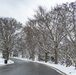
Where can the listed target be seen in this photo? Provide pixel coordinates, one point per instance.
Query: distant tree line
(48, 36)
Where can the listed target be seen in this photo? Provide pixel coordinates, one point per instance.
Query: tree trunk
(5, 55)
(46, 56)
(33, 56)
(39, 57)
(56, 56)
(22, 54)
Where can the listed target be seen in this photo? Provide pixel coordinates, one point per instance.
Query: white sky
(22, 9)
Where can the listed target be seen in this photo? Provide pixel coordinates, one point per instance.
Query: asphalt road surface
(26, 68)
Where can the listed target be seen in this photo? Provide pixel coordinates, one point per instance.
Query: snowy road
(26, 68)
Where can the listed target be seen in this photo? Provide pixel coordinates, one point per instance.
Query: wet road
(26, 68)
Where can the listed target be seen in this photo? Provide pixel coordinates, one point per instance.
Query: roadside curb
(58, 70)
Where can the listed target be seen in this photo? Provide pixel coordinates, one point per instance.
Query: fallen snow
(2, 61)
(67, 70)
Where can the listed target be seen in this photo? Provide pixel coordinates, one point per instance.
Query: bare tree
(8, 33)
(50, 23)
(53, 32)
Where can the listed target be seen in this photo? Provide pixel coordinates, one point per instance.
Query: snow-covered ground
(2, 61)
(67, 70)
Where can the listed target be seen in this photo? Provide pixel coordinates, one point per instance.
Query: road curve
(26, 68)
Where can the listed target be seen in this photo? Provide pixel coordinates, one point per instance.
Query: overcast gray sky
(22, 9)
